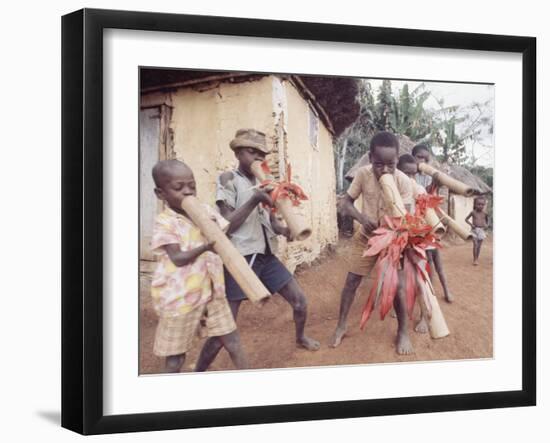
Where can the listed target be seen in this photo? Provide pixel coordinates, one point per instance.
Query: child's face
(422, 156)
(176, 183)
(479, 205)
(409, 169)
(383, 160)
(247, 156)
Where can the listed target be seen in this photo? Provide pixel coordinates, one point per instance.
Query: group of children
(192, 291)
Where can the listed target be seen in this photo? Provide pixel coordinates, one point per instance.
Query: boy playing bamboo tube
(383, 154)
(252, 231)
(188, 285)
(407, 164)
(422, 154)
(480, 221)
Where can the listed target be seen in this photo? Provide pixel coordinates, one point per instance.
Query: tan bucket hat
(249, 138)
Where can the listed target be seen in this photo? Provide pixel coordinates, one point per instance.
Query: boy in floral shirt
(188, 283)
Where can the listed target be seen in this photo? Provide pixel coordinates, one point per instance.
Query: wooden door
(149, 154)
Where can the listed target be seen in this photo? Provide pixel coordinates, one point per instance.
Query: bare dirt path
(267, 333)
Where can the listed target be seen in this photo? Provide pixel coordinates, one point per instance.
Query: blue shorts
(271, 272)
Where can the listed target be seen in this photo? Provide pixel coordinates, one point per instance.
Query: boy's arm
(346, 207)
(470, 215)
(236, 217)
(226, 198)
(183, 258)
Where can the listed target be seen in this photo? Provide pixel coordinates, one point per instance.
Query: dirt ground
(267, 333)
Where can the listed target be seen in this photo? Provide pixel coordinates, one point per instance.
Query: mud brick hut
(457, 206)
(193, 115)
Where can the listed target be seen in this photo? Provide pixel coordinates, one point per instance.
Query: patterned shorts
(479, 234)
(174, 335)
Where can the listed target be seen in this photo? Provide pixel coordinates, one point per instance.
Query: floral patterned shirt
(178, 290)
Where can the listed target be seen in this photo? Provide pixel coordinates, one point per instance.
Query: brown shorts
(357, 263)
(175, 335)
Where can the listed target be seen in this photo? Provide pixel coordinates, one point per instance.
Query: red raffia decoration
(426, 201)
(283, 188)
(400, 238)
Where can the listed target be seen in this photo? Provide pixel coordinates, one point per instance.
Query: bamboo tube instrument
(454, 185)
(299, 230)
(232, 259)
(391, 196)
(431, 217)
(436, 324)
(453, 225)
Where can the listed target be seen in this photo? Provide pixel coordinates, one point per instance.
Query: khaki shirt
(249, 238)
(366, 184)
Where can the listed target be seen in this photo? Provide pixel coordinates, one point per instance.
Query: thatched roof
(336, 97)
(457, 172)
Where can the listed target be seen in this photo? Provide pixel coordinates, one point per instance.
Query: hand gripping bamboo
(299, 230)
(232, 259)
(454, 185)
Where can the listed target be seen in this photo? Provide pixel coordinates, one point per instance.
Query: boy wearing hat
(253, 230)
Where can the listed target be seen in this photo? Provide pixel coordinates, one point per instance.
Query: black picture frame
(82, 219)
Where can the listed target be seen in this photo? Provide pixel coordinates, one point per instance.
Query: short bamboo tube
(454, 226)
(299, 230)
(454, 185)
(232, 259)
(436, 324)
(391, 196)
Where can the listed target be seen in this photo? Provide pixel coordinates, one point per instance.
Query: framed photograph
(233, 190)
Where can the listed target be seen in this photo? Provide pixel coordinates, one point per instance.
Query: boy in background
(480, 222)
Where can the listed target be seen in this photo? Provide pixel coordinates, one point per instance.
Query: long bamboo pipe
(232, 259)
(454, 185)
(299, 230)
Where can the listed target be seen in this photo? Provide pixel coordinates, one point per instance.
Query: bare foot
(337, 337)
(449, 298)
(422, 326)
(403, 344)
(476, 263)
(308, 343)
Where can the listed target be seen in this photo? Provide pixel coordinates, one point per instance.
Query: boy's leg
(174, 363)
(430, 256)
(475, 254)
(232, 343)
(478, 250)
(403, 342)
(442, 278)
(346, 300)
(293, 294)
(213, 345)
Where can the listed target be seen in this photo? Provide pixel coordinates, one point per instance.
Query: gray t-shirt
(424, 180)
(249, 238)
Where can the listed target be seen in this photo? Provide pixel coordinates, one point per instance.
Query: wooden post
(299, 230)
(232, 259)
(454, 185)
